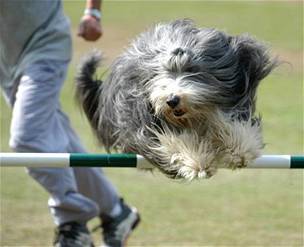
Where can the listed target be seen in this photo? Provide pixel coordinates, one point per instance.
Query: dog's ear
(253, 57)
(254, 64)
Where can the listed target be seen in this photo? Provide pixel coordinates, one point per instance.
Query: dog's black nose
(173, 101)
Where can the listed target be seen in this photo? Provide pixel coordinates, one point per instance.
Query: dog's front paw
(189, 173)
(185, 167)
(239, 142)
(235, 161)
(190, 169)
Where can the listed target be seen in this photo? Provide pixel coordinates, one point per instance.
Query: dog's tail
(88, 87)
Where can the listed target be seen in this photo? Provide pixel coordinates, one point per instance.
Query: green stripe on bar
(297, 162)
(103, 160)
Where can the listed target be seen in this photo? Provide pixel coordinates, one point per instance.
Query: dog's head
(192, 70)
(177, 91)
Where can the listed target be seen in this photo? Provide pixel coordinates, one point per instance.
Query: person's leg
(91, 181)
(118, 219)
(37, 127)
(66, 203)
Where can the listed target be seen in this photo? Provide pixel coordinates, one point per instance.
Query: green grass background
(241, 208)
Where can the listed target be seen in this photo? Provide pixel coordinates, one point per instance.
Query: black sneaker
(117, 230)
(72, 234)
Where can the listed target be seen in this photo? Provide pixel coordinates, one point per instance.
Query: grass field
(242, 208)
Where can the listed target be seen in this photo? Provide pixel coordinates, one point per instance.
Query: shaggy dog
(181, 96)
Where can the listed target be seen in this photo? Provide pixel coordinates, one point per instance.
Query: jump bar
(124, 160)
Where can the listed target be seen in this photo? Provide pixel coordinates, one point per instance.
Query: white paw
(237, 161)
(202, 174)
(188, 173)
(186, 168)
(190, 169)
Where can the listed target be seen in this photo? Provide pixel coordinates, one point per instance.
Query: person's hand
(90, 28)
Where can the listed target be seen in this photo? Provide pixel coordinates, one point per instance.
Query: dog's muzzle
(174, 103)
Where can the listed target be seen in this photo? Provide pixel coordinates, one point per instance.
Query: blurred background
(234, 208)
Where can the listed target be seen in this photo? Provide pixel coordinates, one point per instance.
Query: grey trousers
(39, 125)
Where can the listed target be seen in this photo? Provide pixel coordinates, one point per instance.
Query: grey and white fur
(181, 96)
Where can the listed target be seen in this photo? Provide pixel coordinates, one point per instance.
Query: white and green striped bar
(124, 160)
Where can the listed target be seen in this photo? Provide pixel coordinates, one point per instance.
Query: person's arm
(90, 26)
